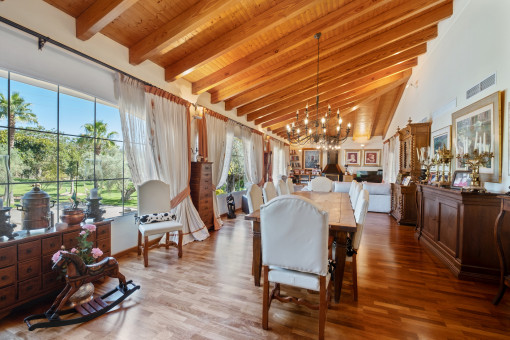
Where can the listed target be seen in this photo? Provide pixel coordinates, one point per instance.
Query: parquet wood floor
(404, 293)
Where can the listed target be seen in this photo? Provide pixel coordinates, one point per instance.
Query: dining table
(341, 222)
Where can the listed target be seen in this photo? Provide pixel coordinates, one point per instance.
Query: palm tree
(19, 110)
(101, 129)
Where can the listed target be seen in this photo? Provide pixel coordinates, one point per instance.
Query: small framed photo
(371, 158)
(353, 157)
(406, 180)
(461, 179)
(432, 178)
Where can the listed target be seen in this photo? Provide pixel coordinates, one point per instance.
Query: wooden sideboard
(201, 191)
(458, 227)
(25, 262)
(403, 203)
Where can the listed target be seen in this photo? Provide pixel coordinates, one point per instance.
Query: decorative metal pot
(35, 206)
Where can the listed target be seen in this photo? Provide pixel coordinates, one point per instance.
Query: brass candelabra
(444, 162)
(474, 161)
(425, 161)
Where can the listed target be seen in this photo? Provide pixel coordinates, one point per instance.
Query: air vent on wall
(484, 84)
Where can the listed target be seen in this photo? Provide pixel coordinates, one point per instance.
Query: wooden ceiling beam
(98, 15)
(333, 85)
(372, 95)
(327, 23)
(394, 108)
(304, 63)
(177, 28)
(355, 55)
(333, 74)
(375, 117)
(325, 98)
(259, 24)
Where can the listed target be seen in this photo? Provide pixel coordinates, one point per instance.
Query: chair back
(254, 195)
(351, 189)
(282, 188)
(321, 184)
(269, 191)
(360, 213)
(294, 233)
(290, 185)
(153, 197)
(355, 194)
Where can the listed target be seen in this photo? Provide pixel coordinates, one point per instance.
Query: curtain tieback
(180, 197)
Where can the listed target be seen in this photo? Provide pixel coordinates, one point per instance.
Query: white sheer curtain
(279, 159)
(386, 162)
(253, 158)
(216, 150)
(391, 160)
(229, 140)
(131, 98)
(168, 123)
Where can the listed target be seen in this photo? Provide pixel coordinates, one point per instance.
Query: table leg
(257, 254)
(340, 254)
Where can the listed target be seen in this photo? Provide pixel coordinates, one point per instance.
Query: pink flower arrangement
(84, 248)
(96, 252)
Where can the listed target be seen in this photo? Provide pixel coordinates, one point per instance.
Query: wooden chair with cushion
(322, 184)
(254, 195)
(290, 185)
(282, 188)
(269, 191)
(360, 213)
(294, 234)
(355, 193)
(154, 197)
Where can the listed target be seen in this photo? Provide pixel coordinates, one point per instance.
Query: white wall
(19, 53)
(472, 45)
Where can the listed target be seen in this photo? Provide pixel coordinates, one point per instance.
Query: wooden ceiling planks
(259, 56)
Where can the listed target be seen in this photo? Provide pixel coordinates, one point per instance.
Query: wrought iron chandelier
(316, 131)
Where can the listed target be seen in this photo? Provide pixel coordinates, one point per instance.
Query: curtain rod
(44, 39)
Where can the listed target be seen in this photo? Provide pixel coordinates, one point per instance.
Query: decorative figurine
(231, 206)
(6, 227)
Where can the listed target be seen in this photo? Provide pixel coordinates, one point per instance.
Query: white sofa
(380, 196)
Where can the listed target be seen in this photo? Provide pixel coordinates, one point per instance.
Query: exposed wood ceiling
(260, 57)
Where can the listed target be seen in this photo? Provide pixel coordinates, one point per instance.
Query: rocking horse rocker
(78, 273)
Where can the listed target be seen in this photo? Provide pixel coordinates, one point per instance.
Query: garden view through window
(64, 140)
(236, 178)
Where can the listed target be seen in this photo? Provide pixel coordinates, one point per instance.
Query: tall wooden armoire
(201, 191)
(403, 199)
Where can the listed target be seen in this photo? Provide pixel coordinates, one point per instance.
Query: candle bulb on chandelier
(338, 114)
(349, 125)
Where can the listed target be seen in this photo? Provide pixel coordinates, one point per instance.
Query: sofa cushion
(341, 186)
(377, 188)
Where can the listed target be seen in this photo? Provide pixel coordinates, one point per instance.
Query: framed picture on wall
(311, 158)
(353, 157)
(478, 126)
(371, 157)
(440, 138)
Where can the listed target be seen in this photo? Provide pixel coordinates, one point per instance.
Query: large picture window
(236, 177)
(64, 140)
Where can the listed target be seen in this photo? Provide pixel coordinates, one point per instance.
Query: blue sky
(74, 111)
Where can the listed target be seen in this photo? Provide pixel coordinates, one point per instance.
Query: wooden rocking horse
(79, 273)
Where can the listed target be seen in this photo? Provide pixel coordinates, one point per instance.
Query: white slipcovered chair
(282, 188)
(360, 213)
(290, 185)
(254, 195)
(321, 184)
(294, 234)
(354, 197)
(351, 188)
(269, 191)
(380, 196)
(341, 186)
(154, 197)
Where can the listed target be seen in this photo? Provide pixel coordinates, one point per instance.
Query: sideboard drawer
(51, 245)
(7, 296)
(7, 276)
(103, 231)
(29, 250)
(29, 269)
(50, 280)
(7, 256)
(47, 264)
(104, 245)
(29, 288)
